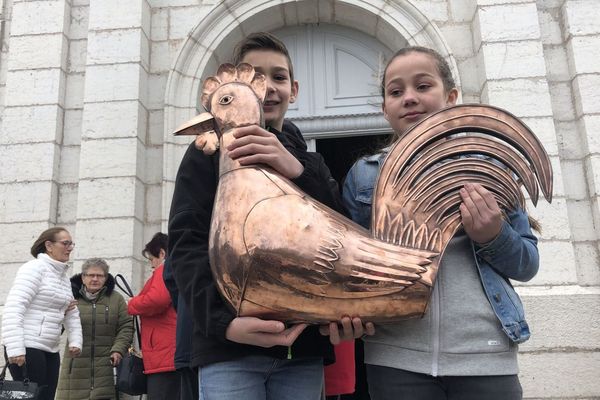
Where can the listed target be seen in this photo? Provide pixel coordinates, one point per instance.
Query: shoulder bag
(130, 376)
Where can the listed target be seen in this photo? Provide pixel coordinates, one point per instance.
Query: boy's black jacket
(189, 226)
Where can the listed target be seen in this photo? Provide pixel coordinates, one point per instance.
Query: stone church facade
(91, 89)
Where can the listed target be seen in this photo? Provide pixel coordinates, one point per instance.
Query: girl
(465, 347)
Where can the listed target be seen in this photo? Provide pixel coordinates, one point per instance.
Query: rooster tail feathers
(428, 166)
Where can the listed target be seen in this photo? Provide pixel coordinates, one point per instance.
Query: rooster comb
(229, 73)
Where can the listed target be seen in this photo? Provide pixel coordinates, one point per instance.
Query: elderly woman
(36, 308)
(107, 335)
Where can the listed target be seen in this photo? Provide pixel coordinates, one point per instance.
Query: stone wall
(90, 89)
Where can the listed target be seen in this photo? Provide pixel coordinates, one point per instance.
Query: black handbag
(130, 374)
(130, 377)
(11, 390)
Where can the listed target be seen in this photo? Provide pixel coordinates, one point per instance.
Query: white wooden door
(339, 71)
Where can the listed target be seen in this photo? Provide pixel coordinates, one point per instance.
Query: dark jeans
(392, 384)
(42, 368)
(163, 385)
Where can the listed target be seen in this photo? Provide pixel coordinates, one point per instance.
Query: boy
(246, 357)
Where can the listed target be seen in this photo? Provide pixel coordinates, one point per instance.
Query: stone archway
(395, 24)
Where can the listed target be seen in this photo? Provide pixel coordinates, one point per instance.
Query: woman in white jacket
(39, 302)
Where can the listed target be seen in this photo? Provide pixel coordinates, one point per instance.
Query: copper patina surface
(276, 253)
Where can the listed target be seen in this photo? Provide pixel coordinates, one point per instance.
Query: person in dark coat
(183, 342)
(107, 335)
(245, 356)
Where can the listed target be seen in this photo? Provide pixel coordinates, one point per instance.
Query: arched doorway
(338, 108)
(333, 43)
(392, 24)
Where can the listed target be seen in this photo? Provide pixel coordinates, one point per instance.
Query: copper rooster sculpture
(278, 254)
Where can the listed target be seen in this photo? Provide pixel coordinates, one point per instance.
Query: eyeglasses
(97, 276)
(66, 243)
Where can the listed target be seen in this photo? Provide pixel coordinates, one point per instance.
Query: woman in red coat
(158, 323)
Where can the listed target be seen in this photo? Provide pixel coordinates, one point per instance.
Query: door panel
(337, 68)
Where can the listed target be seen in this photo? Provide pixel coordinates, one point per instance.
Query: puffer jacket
(34, 311)
(158, 324)
(107, 328)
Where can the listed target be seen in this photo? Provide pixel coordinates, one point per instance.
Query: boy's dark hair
(159, 241)
(442, 66)
(262, 41)
(39, 246)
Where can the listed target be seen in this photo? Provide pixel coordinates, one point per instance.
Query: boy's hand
(351, 329)
(263, 333)
(481, 215)
(254, 145)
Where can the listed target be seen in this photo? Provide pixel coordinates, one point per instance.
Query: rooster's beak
(203, 126)
(198, 125)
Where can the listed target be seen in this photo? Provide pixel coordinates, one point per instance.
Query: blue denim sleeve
(349, 194)
(514, 253)
(358, 190)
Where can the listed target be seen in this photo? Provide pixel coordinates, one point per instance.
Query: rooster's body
(277, 253)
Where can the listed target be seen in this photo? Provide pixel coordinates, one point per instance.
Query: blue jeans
(262, 378)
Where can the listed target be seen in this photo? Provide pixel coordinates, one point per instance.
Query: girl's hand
(19, 360)
(254, 145)
(263, 333)
(115, 358)
(74, 351)
(351, 329)
(481, 215)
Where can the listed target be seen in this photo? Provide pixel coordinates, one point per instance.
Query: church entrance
(341, 153)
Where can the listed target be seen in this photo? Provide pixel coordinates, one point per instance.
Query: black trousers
(396, 384)
(164, 385)
(42, 368)
(189, 384)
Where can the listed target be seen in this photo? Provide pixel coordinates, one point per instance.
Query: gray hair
(95, 262)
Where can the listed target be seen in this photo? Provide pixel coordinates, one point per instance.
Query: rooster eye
(225, 99)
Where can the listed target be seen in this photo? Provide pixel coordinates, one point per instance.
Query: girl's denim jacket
(513, 254)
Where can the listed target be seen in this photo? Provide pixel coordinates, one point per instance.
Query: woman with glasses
(107, 335)
(38, 305)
